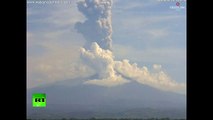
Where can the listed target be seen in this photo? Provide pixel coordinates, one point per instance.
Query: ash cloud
(112, 73)
(101, 61)
(97, 54)
(97, 28)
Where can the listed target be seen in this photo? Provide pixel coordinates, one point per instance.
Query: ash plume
(98, 26)
(97, 54)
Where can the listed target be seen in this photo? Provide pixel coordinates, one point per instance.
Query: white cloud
(58, 15)
(157, 79)
(58, 63)
(102, 62)
(61, 58)
(109, 81)
(98, 25)
(141, 21)
(126, 5)
(157, 33)
(157, 67)
(112, 73)
(163, 55)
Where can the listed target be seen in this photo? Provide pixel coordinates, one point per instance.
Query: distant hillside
(72, 99)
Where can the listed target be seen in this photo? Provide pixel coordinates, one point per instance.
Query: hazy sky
(145, 32)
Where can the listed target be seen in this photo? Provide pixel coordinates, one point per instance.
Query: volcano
(72, 99)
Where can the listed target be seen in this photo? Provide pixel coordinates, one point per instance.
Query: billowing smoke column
(97, 27)
(102, 62)
(97, 30)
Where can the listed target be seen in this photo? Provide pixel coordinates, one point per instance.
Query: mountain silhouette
(73, 99)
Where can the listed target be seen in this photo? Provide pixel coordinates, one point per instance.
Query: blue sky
(153, 33)
(144, 31)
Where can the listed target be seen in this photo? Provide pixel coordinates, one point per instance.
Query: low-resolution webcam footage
(106, 60)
